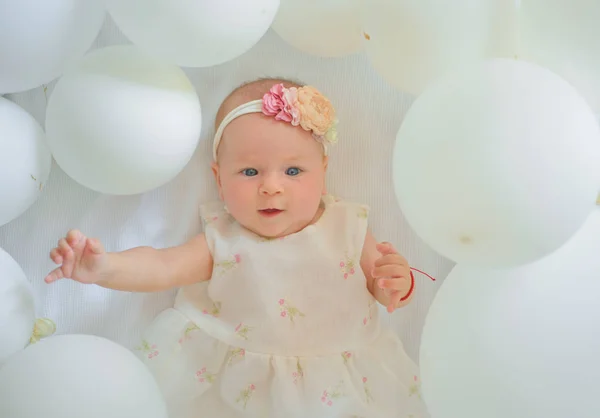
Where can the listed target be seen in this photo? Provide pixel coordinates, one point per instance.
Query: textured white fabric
(285, 328)
(370, 113)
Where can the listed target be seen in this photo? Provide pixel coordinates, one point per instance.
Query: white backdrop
(370, 113)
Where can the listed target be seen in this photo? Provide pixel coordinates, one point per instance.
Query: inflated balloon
(78, 376)
(198, 33)
(121, 122)
(25, 160)
(38, 39)
(497, 165)
(563, 37)
(520, 342)
(17, 309)
(322, 28)
(411, 42)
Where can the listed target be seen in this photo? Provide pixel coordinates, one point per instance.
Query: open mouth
(270, 212)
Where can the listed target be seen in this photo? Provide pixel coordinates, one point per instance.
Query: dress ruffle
(204, 377)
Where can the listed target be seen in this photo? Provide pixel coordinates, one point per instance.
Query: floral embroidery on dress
(242, 330)
(415, 388)
(235, 354)
(363, 213)
(150, 349)
(331, 395)
(187, 333)
(246, 395)
(203, 376)
(346, 355)
(223, 267)
(347, 266)
(211, 219)
(299, 373)
(214, 311)
(289, 311)
(368, 394)
(369, 316)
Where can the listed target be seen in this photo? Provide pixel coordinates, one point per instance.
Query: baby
(276, 315)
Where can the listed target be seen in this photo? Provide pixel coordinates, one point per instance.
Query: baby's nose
(271, 185)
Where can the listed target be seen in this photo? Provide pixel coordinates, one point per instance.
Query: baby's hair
(251, 90)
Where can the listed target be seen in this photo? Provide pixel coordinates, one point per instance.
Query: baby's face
(271, 175)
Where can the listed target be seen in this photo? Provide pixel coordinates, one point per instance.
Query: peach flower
(317, 112)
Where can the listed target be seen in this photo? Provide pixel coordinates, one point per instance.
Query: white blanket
(370, 113)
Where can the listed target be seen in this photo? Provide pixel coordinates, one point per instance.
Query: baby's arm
(145, 269)
(387, 273)
(140, 269)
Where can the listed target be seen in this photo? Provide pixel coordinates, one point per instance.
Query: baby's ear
(215, 169)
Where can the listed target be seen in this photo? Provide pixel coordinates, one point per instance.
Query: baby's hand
(392, 274)
(81, 259)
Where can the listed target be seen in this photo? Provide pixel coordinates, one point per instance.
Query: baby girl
(277, 313)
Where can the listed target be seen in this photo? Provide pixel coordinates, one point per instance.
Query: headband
(303, 106)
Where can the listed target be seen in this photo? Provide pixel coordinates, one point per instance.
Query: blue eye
(250, 172)
(293, 171)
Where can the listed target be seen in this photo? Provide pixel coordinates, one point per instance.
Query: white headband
(254, 106)
(258, 106)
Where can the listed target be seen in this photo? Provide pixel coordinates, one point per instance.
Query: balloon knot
(43, 328)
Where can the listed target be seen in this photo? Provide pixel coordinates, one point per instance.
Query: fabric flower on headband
(305, 107)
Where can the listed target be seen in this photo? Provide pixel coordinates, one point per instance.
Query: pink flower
(273, 100)
(295, 374)
(345, 275)
(203, 370)
(364, 321)
(201, 380)
(282, 103)
(252, 387)
(329, 403)
(324, 393)
(283, 314)
(364, 380)
(281, 301)
(342, 264)
(205, 312)
(290, 102)
(351, 271)
(238, 327)
(237, 258)
(323, 399)
(243, 352)
(198, 374)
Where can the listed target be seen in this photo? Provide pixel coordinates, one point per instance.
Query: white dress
(284, 328)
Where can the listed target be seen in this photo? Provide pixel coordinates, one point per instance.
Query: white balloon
(563, 36)
(518, 342)
(17, 309)
(38, 39)
(324, 28)
(25, 160)
(73, 376)
(411, 42)
(498, 165)
(121, 122)
(200, 33)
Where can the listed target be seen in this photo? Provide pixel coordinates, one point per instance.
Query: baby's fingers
(394, 284)
(394, 300)
(55, 256)
(54, 275)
